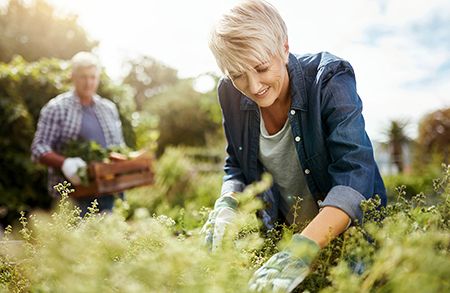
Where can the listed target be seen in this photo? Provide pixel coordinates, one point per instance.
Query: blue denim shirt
(328, 128)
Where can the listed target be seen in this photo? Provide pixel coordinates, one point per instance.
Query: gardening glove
(70, 169)
(285, 270)
(223, 213)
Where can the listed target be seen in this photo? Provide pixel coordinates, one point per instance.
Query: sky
(400, 50)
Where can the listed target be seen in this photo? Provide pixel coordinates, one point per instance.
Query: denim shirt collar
(297, 87)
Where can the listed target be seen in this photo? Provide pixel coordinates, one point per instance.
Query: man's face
(265, 84)
(86, 80)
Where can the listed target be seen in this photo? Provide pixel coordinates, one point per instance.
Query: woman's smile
(261, 94)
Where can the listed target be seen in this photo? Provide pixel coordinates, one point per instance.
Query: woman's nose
(254, 85)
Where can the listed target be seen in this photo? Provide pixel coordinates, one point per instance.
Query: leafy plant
(401, 248)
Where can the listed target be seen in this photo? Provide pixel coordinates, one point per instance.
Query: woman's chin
(264, 103)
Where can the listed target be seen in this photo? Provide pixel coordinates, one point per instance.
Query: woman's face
(265, 84)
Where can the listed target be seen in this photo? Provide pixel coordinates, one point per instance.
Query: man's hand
(223, 213)
(285, 270)
(70, 169)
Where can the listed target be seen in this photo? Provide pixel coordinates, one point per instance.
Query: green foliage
(56, 255)
(183, 181)
(146, 129)
(148, 77)
(16, 134)
(419, 181)
(411, 251)
(408, 251)
(33, 30)
(434, 138)
(24, 89)
(185, 116)
(91, 151)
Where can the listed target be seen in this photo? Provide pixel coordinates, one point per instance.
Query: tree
(396, 140)
(34, 31)
(434, 136)
(148, 77)
(186, 117)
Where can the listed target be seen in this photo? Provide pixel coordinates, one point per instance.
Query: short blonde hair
(251, 32)
(85, 59)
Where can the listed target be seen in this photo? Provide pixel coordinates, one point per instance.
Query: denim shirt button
(297, 138)
(319, 202)
(307, 171)
(292, 112)
(240, 148)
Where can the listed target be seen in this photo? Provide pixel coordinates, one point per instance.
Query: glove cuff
(226, 201)
(302, 246)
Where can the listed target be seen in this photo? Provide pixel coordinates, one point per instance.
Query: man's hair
(85, 59)
(249, 33)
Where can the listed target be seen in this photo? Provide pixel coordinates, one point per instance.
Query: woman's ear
(286, 51)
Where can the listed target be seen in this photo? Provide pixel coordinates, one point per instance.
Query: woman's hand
(285, 270)
(223, 213)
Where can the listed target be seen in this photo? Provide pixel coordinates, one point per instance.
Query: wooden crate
(117, 176)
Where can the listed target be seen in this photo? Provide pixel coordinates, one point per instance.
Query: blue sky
(400, 49)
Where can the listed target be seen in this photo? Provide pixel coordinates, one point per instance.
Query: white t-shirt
(278, 155)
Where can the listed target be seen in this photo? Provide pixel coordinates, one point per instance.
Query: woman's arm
(352, 169)
(329, 223)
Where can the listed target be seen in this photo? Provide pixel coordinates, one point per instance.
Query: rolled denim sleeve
(352, 168)
(346, 199)
(47, 132)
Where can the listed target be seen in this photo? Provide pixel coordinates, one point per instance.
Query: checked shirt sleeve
(47, 133)
(118, 123)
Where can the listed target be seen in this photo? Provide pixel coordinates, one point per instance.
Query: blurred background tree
(185, 116)
(33, 30)
(429, 150)
(148, 77)
(434, 138)
(396, 140)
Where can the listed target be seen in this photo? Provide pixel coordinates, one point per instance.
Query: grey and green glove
(285, 270)
(223, 213)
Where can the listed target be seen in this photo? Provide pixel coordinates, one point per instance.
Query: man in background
(80, 115)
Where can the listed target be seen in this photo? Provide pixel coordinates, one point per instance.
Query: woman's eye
(236, 76)
(264, 69)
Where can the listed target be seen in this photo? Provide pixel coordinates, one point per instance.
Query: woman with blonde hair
(299, 118)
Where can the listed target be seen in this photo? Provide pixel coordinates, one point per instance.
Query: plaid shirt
(60, 121)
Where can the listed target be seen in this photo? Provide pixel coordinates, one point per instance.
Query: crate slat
(124, 182)
(121, 167)
(118, 176)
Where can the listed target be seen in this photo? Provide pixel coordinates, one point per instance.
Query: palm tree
(396, 140)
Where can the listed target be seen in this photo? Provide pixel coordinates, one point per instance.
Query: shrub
(185, 117)
(415, 183)
(408, 251)
(180, 184)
